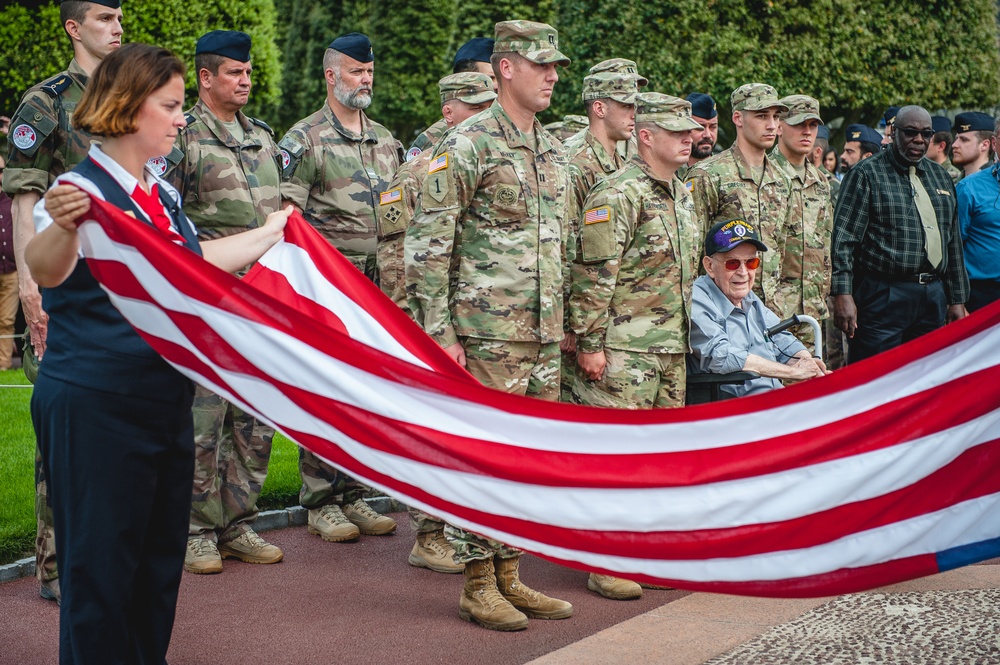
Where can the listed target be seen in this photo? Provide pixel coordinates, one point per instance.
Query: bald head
(913, 113)
(912, 133)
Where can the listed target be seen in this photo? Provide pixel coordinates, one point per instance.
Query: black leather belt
(919, 278)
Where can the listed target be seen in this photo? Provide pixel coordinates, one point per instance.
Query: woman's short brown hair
(120, 85)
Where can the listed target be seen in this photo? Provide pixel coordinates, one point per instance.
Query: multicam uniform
(336, 177)
(427, 139)
(490, 222)
(43, 146)
(228, 184)
(724, 188)
(631, 288)
(804, 283)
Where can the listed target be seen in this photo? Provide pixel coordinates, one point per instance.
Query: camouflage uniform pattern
(833, 182)
(953, 171)
(44, 117)
(635, 381)
(491, 212)
(397, 205)
(427, 139)
(589, 163)
(226, 185)
(335, 177)
(568, 126)
(638, 257)
(47, 111)
(804, 283)
(723, 188)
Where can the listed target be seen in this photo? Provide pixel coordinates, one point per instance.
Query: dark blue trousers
(891, 313)
(120, 470)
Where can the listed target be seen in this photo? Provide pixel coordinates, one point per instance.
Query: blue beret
(973, 121)
(354, 45)
(863, 133)
(823, 132)
(940, 123)
(114, 4)
(227, 43)
(890, 114)
(702, 106)
(478, 48)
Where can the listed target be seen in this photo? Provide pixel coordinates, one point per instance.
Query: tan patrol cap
(611, 85)
(755, 97)
(619, 66)
(538, 42)
(800, 109)
(672, 113)
(468, 87)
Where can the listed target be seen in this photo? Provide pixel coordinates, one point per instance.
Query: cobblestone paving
(926, 628)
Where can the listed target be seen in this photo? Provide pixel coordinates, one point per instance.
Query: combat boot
(367, 520)
(251, 548)
(481, 600)
(50, 590)
(614, 588)
(536, 605)
(431, 550)
(202, 557)
(329, 523)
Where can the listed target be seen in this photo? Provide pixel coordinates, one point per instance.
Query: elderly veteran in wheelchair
(729, 323)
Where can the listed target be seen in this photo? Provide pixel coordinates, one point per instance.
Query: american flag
(877, 473)
(596, 215)
(439, 164)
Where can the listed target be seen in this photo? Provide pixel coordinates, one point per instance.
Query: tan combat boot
(329, 523)
(481, 600)
(614, 588)
(251, 548)
(202, 557)
(367, 520)
(431, 550)
(536, 605)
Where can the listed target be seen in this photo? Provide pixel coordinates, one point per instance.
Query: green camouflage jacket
(427, 139)
(589, 163)
(226, 185)
(806, 268)
(336, 176)
(640, 248)
(724, 188)
(490, 220)
(42, 143)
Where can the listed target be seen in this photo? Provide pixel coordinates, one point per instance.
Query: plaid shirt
(876, 226)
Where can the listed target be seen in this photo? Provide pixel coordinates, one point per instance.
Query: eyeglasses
(734, 264)
(909, 133)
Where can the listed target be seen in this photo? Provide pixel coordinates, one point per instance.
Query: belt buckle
(925, 278)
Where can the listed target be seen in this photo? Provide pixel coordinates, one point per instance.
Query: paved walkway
(361, 603)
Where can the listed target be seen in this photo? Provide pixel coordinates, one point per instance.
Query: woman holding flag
(113, 419)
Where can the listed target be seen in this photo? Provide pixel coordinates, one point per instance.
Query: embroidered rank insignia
(440, 163)
(597, 215)
(392, 196)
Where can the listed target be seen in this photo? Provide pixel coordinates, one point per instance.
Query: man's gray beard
(702, 152)
(352, 99)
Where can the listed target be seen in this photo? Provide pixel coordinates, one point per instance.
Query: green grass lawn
(17, 471)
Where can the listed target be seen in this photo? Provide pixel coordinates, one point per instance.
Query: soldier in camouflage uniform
(472, 57)
(804, 284)
(227, 169)
(484, 264)
(631, 283)
(941, 144)
(463, 95)
(820, 147)
(337, 164)
(742, 182)
(705, 113)
(569, 126)
(43, 145)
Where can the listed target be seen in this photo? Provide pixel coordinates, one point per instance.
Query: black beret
(702, 106)
(478, 48)
(227, 43)
(114, 4)
(940, 123)
(354, 45)
(890, 114)
(863, 133)
(823, 132)
(973, 121)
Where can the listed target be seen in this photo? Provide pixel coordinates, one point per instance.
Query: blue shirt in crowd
(979, 223)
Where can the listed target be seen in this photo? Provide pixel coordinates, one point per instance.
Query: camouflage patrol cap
(537, 42)
(575, 122)
(800, 109)
(672, 113)
(611, 85)
(468, 87)
(755, 97)
(619, 66)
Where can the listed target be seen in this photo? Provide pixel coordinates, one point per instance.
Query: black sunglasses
(928, 134)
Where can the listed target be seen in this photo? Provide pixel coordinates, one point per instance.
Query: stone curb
(269, 520)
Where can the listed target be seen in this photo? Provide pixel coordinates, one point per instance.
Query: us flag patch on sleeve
(597, 215)
(440, 163)
(392, 196)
